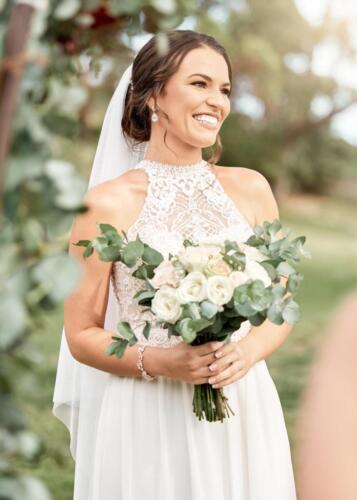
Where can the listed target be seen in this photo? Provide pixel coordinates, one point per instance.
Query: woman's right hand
(190, 363)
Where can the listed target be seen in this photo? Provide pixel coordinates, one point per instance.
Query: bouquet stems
(210, 404)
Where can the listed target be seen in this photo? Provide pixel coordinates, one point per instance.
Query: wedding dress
(149, 445)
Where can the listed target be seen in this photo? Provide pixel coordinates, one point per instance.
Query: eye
(227, 92)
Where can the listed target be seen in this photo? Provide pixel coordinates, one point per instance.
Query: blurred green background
(293, 118)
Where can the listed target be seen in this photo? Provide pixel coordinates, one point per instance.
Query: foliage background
(75, 54)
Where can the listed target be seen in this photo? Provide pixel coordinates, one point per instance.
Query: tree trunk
(11, 68)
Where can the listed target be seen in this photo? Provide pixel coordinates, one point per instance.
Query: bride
(133, 432)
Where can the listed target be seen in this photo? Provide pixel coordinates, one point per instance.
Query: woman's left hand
(233, 362)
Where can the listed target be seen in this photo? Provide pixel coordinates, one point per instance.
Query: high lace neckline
(175, 169)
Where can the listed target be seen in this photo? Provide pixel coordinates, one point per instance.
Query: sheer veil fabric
(79, 388)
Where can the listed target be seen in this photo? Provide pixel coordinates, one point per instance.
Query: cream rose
(195, 258)
(256, 271)
(166, 305)
(165, 274)
(217, 266)
(219, 289)
(238, 278)
(192, 288)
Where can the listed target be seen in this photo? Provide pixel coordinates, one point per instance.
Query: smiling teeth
(206, 118)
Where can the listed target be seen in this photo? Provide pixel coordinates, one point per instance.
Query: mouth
(207, 121)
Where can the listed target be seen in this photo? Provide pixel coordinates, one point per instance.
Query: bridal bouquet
(206, 290)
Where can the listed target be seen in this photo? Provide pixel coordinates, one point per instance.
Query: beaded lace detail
(182, 201)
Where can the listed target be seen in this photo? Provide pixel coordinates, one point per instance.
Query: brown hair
(151, 70)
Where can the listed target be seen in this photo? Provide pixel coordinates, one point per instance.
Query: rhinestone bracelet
(140, 365)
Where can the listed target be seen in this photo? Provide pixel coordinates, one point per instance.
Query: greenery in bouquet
(207, 290)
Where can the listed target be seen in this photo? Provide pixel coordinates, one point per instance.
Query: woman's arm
(84, 309)
(263, 340)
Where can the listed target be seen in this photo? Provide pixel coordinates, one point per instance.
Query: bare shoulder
(250, 187)
(116, 201)
(251, 179)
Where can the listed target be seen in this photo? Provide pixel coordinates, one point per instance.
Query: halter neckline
(171, 168)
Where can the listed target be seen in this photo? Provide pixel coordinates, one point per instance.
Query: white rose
(256, 271)
(195, 258)
(164, 274)
(219, 289)
(238, 278)
(192, 288)
(165, 305)
(252, 253)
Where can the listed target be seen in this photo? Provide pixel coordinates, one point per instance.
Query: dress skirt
(151, 446)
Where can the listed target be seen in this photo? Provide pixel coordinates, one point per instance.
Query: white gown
(149, 444)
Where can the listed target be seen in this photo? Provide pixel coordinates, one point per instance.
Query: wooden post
(11, 68)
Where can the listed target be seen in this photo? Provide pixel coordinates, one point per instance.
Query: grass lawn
(330, 227)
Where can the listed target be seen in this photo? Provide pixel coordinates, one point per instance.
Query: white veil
(79, 388)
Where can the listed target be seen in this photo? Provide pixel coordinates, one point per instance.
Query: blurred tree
(272, 48)
(41, 193)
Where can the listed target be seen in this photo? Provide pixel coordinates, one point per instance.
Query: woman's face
(195, 98)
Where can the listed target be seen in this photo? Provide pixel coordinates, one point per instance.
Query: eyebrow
(208, 78)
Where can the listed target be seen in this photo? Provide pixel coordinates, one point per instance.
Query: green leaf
(146, 330)
(88, 251)
(110, 349)
(208, 309)
(13, 315)
(285, 269)
(275, 313)
(270, 269)
(293, 282)
(82, 243)
(258, 318)
(144, 296)
(120, 348)
(57, 284)
(125, 330)
(291, 312)
(110, 254)
(141, 272)
(132, 252)
(152, 256)
(186, 330)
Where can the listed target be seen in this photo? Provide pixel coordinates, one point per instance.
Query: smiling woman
(133, 431)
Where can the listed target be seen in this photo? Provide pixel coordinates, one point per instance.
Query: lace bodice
(182, 201)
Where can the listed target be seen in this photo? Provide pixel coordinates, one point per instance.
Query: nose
(217, 100)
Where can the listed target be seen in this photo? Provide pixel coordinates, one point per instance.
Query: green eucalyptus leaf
(110, 350)
(141, 272)
(291, 312)
(144, 296)
(146, 330)
(89, 250)
(208, 309)
(152, 256)
(110, 254)
(132, 252)
(285, 269)
(125, 330)
(57, 284)
(13, 315)
(293, 282)
(275, 313)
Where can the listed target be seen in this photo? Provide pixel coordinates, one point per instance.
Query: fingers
(232, 373)
(208, 347)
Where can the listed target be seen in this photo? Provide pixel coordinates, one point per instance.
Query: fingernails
(212, 367)
(211, 380)
(218, 354)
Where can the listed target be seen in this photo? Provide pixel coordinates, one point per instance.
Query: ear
(151, 102)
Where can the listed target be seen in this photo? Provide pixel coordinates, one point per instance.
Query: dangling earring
(154, 116)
